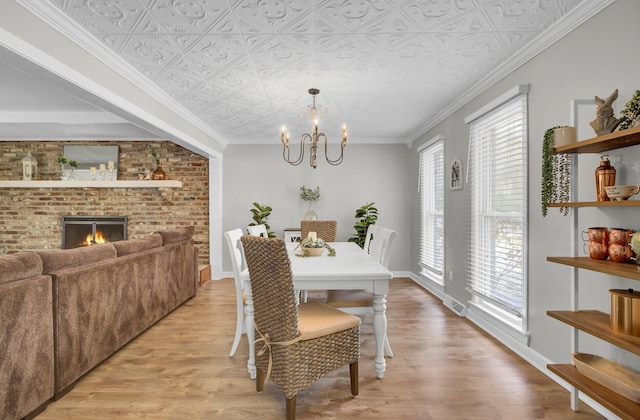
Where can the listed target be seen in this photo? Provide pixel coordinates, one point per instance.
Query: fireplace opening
(79, 231)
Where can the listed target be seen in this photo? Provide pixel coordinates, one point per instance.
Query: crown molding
(54, 17)
(565, 25)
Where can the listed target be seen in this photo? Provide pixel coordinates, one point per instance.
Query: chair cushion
(349, 298)
(315, 319)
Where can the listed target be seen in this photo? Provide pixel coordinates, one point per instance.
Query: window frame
(513, 317)
(431, 209)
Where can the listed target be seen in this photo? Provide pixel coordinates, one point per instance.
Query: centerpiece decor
(312, 246)
(310, 196)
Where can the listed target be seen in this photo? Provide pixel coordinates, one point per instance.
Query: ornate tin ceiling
(386, 68)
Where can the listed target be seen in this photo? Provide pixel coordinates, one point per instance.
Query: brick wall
(30, 218)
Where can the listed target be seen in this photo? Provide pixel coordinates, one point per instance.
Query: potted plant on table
(312, 246)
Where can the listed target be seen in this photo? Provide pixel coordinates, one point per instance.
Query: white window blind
(431, 207)
(497, 180)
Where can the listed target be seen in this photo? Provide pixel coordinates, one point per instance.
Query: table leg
(380, 331)
(251, 333)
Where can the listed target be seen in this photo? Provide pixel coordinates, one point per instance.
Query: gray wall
(596, 58)
(369, 173)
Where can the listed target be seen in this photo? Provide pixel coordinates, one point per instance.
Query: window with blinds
(497, 180)
(431, 207)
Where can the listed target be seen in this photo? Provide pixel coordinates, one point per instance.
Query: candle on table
(313, 236)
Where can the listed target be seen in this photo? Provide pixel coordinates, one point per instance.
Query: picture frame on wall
(456, 175)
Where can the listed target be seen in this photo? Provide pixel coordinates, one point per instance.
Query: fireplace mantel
(92, 184)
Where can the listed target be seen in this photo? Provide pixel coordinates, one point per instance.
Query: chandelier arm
(286, 149)
(337, 161)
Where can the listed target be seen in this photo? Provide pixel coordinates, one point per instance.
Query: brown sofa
(26, 336)
(100, 298)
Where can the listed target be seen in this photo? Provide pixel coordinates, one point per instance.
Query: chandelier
(315, 114)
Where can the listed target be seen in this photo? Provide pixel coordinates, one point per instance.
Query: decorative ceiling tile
(350, 16)
(283, 51)
(273, 16)
(216, 51)
(189, 16)
(149, 53)
(105, 16)
(427, 14)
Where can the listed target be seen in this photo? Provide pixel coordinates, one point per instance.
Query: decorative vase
(63, 175)
(310, 214)
(158, 174)
(71, 175)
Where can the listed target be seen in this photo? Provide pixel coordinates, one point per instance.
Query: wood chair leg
(259, 379)
(291, 408)
(353, 373)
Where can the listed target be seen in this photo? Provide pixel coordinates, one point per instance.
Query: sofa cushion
(177, 234)
(19, 266)
(133, 246)
(59, 259)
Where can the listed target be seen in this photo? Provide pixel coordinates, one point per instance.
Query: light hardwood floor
(443, 367)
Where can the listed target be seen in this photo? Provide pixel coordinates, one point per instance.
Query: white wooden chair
(258, 230)
(234, 246)
(379, 244)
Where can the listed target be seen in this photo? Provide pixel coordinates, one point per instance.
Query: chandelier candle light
(315, 114)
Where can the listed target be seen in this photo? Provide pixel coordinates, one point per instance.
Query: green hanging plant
(260, 215)
(630, 113)
(368, 215)
(556, 174)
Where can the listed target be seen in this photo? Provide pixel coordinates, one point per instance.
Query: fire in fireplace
(79, 231)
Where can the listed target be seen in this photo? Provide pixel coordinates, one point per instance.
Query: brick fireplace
(31, 218)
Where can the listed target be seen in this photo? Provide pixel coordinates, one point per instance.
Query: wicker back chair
(295, 345)
(325, 229)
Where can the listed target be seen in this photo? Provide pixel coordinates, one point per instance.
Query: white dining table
(351, 268)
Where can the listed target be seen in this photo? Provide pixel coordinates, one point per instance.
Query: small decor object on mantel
(158, 174)
(310, 196)
(29, 167)
(62, 160)
(74, 165)
(605, 122)
(312, 246)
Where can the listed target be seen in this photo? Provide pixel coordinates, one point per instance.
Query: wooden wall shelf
(91, 184)
(626, 270)
(616, 403)
(612, 141)
(624, 203)
(596, 323)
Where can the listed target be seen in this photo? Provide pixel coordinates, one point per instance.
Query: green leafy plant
(630, 112)
(367, 215)
(556, 174)
(155, 156)
(260, 217)
(309, 195)
(74, 164)
(61, 160)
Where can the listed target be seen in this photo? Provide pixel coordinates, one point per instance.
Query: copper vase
(158, 174)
